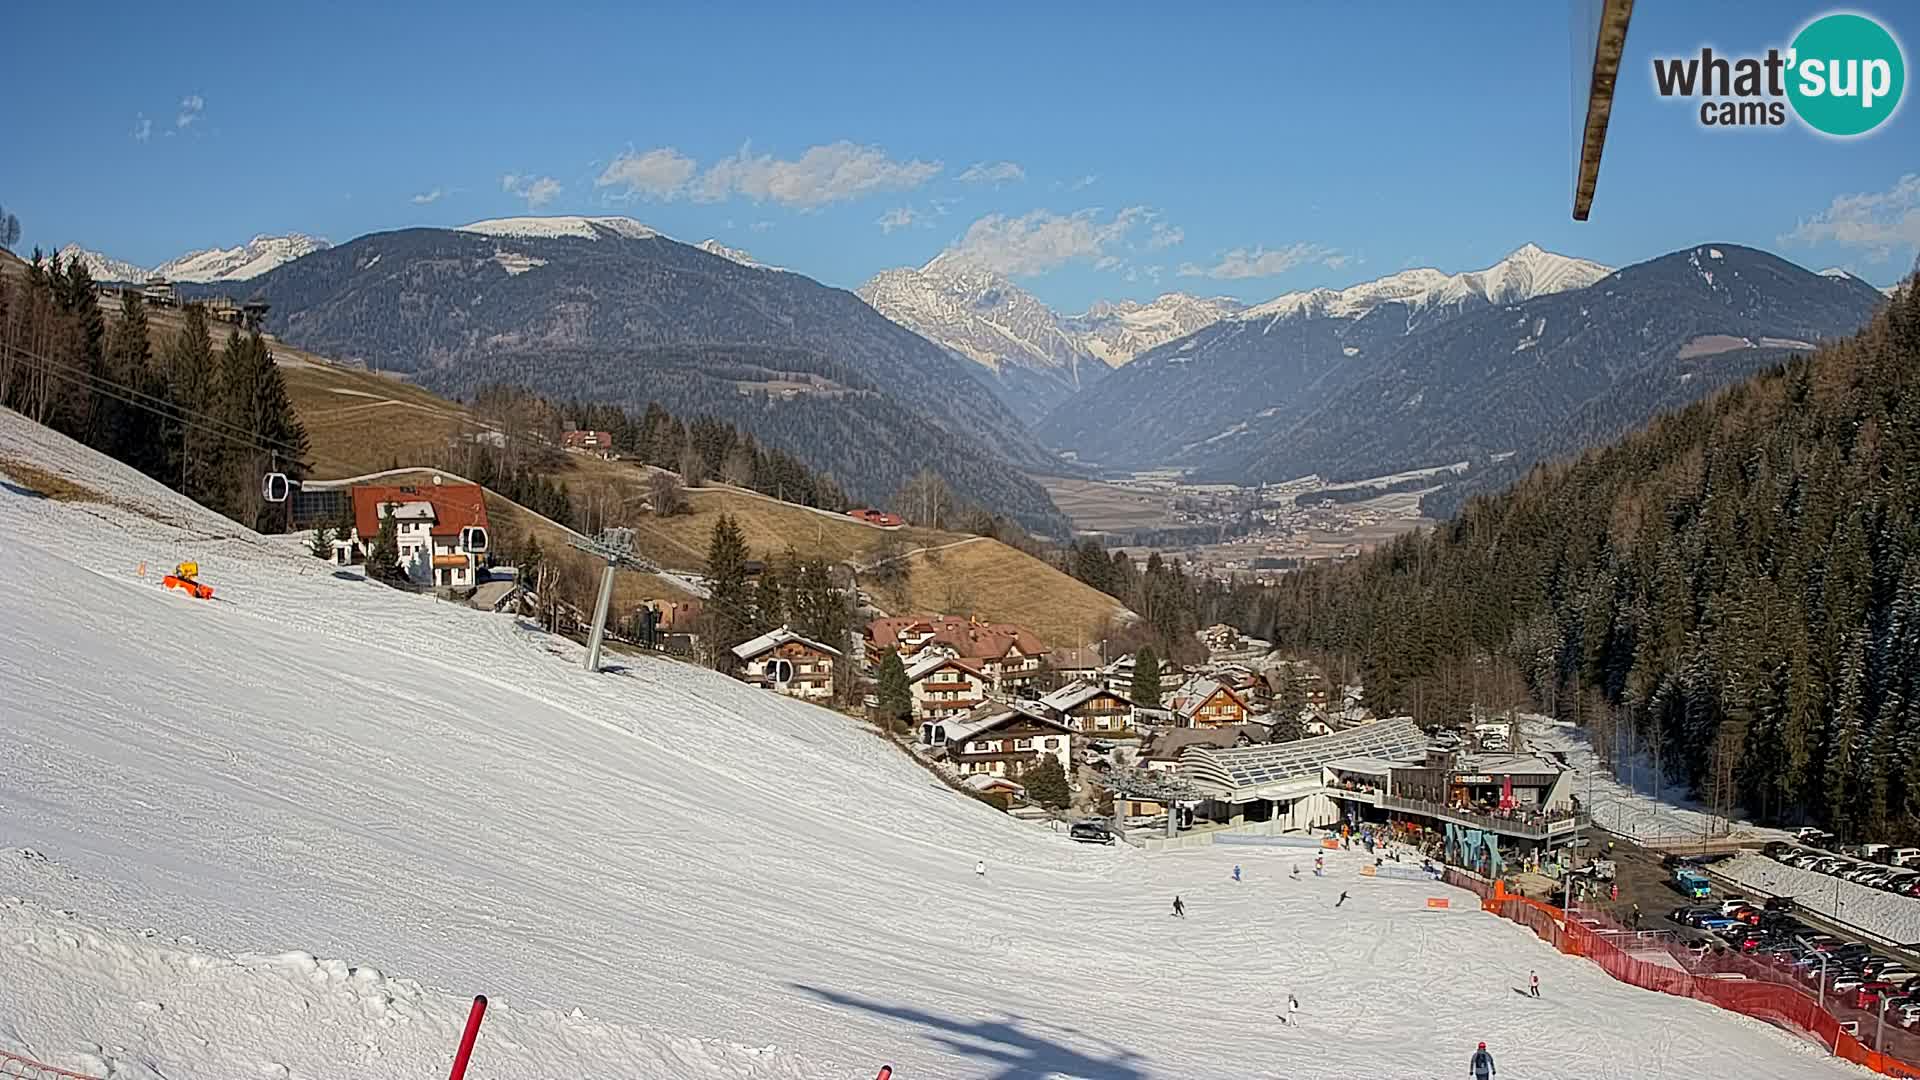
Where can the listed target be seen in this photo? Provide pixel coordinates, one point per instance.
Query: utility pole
(616, 547)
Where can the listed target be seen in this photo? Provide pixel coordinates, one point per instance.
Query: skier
(1481, 1067)
(1236, 871)
(1342, 900)
(980, 869)
(1179, 909)
(1533, 984)
(1319, 866)
(1636, 916)
(1296, 872)
(1291, 1017)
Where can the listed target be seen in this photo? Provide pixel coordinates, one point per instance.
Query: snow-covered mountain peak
(101, 267)
(1527, 272)
(249, 260)
(547, 228)
(732, 254)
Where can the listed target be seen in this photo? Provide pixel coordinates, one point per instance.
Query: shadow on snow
(1020, 1054)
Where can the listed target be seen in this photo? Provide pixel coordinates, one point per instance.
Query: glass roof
(1253, 766)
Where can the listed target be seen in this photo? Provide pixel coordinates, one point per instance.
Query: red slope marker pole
(886, 1073)
(473, 1032)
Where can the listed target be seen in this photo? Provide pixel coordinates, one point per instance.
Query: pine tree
(1046, 783)
(896, 696)
(1146, 679)
(383, 555)
(729, 605)
(321, 546)
(769, 597)
(194, 379)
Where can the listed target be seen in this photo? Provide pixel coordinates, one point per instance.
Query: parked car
(1778, 903)
(1906, 856)
(1729, 904)
(1091, 832)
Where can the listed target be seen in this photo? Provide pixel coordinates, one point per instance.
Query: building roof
(1505, 764)
(1198, 692)
(970, 639)
(927, 665)
(993, 714)
(1233, 768)
(1075, 694)
(1169, 745)
(773, 639)
(452, 507)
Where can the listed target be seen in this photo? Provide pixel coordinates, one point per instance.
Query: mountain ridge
(205, 266)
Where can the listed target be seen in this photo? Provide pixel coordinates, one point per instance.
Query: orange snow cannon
(182, 578)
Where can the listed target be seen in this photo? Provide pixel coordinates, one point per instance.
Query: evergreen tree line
(1735, 590)
(1173, 603)
(208, 422)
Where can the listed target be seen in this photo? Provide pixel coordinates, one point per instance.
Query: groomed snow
(1634, 808)
(298, 826)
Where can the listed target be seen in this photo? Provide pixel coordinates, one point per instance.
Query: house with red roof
(944, 687)
(441, 529)
(1010, 656)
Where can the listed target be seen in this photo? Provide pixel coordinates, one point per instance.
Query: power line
(181, 414)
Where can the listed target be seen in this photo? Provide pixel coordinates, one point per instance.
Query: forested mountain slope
(1740, 579)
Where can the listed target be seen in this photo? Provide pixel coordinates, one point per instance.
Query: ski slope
(289, 832)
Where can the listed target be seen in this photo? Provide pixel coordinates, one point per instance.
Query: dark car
(1091, 832)
(1779, 903)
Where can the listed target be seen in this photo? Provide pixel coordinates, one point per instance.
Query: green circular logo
(1847, 74)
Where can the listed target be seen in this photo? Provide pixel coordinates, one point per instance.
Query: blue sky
(1094, 151)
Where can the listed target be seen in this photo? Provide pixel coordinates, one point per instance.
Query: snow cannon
(183, 578)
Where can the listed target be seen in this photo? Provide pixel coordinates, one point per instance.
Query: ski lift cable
(181, 420)
(182, 415)
(156, 404)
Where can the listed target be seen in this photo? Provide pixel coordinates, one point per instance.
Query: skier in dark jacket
(1481, 1067)
(1179, 909)
(1342, 900)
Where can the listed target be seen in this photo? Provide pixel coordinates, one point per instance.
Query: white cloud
(426, 197)
(538, 191)
(191, 107)
(1086, 181)
(994, 172)
(660, 173)
(1165, 236)
(1877, 222)
(142, 127)
(834, 172)
(901, 217)
(1261, 262)
(760, 226)
(1042, 240)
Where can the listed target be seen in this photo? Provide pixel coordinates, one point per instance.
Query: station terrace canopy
(1239, 768)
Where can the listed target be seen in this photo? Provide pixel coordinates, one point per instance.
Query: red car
(1868, 996)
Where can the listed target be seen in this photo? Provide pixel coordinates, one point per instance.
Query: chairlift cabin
(473, 539)
(780, 671)
(274, 487)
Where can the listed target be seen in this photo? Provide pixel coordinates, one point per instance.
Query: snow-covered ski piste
(292, 831)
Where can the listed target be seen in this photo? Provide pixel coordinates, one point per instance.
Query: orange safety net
(1752, 986)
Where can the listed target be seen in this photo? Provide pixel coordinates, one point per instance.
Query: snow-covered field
(1629, 807)
(289, 832)
(1894, 917)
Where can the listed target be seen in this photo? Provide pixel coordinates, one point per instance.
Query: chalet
(1249, 685)
(944, 687)
(1118, 677)
(1090, 708)
(1208, 704)
(588, 442)
(1009, 656)
(158, 292)
(441, 530)
(793, 665)
(1162, 755)
(1000, 740)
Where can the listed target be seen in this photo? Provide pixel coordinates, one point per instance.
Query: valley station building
(1489, 810)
